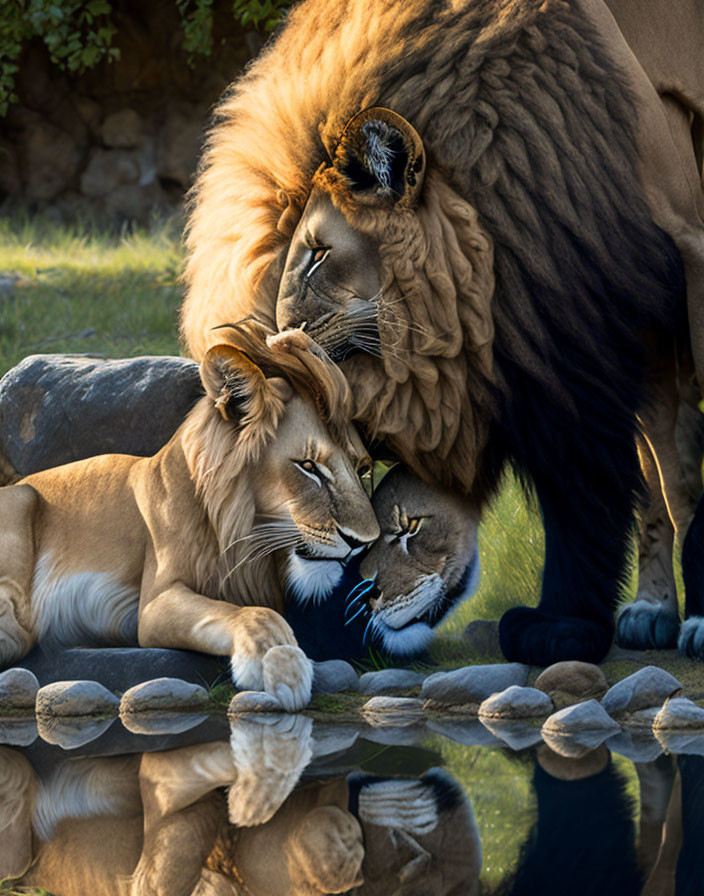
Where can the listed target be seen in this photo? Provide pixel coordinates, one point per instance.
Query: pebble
(392, 710)
(253, 701)
(516, 703)
(649, 686)
(75, 698)
(332, 676)
(679, 713)
(572, 680)
(473, 684)
(18, 689)
(386, 681)
(163, 694)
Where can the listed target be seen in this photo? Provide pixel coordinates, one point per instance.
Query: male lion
(498, 213)
(185, 549)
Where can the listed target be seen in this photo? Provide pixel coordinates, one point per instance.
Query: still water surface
(280, 805)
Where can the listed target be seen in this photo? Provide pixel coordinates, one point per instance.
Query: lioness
(184, 549)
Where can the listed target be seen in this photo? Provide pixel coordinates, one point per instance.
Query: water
(274, 805)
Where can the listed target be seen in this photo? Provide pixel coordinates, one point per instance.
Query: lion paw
(691, 640)
(643, 625)
(288, 676)
(257, 630)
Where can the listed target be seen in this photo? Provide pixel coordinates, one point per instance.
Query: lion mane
(525, 167)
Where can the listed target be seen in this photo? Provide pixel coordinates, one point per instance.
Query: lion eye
(412, 527)
(310, 469)
(318, 256)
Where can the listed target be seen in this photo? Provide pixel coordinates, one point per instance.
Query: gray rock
(391, 732)
(482, 637)
(108, 169)
(332, 676)
(75, 698)
(51, 159)
(69, 733)
(679, 713)
(161, 722)
(253, 701)
(55, 409)
(473, 684)
(587, 716)
(681, 742)
(468, 732)
(515, 734)
(516, 703)
(163, 693)
(18, 689)
(577, 745)
(649, 686)
(386, 681)
(392, 710)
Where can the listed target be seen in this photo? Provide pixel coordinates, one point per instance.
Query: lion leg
(17, 559)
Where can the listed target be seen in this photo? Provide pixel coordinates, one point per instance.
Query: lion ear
(381, 152)
(232, 380)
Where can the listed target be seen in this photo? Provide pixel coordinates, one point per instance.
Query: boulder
(472, 684)
(648, 687)
(163, 694)
(55, 409)
(163, 722)
(587, 716)
(481, 637)
(75, 698)
(49, 158)
(18, 689)
(392, 711)
(516, 734)
(516, 702)
(332, 676)
(387, 681)
(69, 733)
(123, 129)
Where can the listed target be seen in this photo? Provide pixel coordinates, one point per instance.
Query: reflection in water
(283, 807)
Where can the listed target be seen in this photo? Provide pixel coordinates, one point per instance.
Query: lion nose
(353, 541)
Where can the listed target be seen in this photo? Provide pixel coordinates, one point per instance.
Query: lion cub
(185, 549)
(423, 564)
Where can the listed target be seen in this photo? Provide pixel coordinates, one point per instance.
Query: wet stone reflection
(270, 805)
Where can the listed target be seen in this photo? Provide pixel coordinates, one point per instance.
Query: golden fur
(170, 548)
(282, 121)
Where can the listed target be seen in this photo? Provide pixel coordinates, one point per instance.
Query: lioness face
(331, 281)
(423, 564)
(311, 490)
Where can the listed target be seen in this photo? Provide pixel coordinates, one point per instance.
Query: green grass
(79, 290)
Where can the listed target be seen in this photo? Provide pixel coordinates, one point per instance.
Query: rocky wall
(121, 142)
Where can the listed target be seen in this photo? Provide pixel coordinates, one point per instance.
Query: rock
(10, 179)
(75, 698)
(468, 732)
(386, 681)
(75, 407)
(135, 202)
(681, 742)
(575, 746)
(569, 768)
(179, 144)
(161, 722)
(253, 701)
(571, 681)
(516, 703)
(679, 713)
(123, 129)
(163, 693)
(482, 637)
(588, 716)
(108, 169)
(473, 684)
(69, 733)
(392, 710)
(49, 159)
(332, 676)
(515, 734)
(649, 686)
(18, 689)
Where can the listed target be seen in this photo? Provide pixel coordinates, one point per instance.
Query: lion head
(277, 409)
